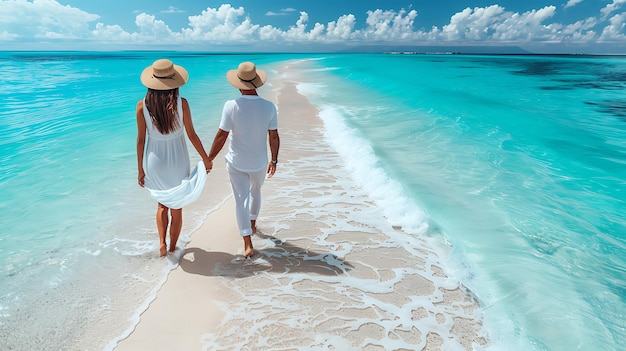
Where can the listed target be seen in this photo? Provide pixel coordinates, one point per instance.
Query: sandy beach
(325, 275)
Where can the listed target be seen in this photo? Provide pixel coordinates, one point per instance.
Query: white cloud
(112, 33)
(581, 31)
(282, 12)
(4, 35)
(528, 26)
(474, 24)
(173, 9)
(231, 25)
(389, 25)
(572, 3)
(221, 24)
(44, 19)
(342, 29)
(269, 33)
(298, 32)
(495, 24)
(615, 30)
(612, 7)
(151, 28)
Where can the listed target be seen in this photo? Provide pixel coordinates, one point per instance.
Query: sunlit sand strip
(329, 273)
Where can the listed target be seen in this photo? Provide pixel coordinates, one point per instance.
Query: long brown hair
(163, 108)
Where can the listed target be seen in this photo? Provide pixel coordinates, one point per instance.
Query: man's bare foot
(163, 250)
(248, 250)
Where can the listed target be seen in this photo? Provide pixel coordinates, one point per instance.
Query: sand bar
(325, 276)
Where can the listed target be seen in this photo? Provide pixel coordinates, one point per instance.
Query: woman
(163, 165)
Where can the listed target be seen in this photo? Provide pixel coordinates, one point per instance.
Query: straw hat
(246, 76)
(164, 75)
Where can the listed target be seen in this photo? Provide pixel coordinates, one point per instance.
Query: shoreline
(318, 266)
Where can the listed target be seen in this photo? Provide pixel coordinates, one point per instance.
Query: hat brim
(180, 77)
(257, 82)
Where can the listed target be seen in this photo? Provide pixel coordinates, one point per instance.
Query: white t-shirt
(247, 119)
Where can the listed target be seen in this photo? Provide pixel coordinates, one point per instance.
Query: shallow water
(332, 273)
(78, 240)
(516, 161)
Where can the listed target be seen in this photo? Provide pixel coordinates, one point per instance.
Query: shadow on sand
(283, 257)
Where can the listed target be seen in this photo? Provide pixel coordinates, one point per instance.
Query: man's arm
(218, 144)
(274, 146)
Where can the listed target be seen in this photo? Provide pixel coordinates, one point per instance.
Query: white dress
(166, 164)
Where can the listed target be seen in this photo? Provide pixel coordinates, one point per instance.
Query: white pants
(247, 192)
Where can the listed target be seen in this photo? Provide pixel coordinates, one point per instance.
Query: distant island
(435, 49)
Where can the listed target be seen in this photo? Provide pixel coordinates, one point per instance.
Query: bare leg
(247, 246)
(177, 224)
(253, 226)
(162, 219)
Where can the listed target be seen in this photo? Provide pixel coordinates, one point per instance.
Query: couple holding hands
(163, 122)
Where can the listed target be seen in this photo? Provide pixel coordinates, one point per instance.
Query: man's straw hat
(246, 76)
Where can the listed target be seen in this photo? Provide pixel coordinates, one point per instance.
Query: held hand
(271, 169)
(208, 165)
(141, 177)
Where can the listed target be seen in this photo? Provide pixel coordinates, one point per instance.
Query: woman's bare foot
(248, 250)
(163, 250)
(172, 246)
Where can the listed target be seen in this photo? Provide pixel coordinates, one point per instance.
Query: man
(247, 121)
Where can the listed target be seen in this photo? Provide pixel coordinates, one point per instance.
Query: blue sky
(541, 26)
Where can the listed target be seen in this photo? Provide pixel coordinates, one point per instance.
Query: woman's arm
(141, 142)
(193, 136)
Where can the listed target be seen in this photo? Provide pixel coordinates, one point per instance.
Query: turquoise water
(77, 238)
(519, 162)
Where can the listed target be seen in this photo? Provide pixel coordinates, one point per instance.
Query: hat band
(248, 80)
(164, 77)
